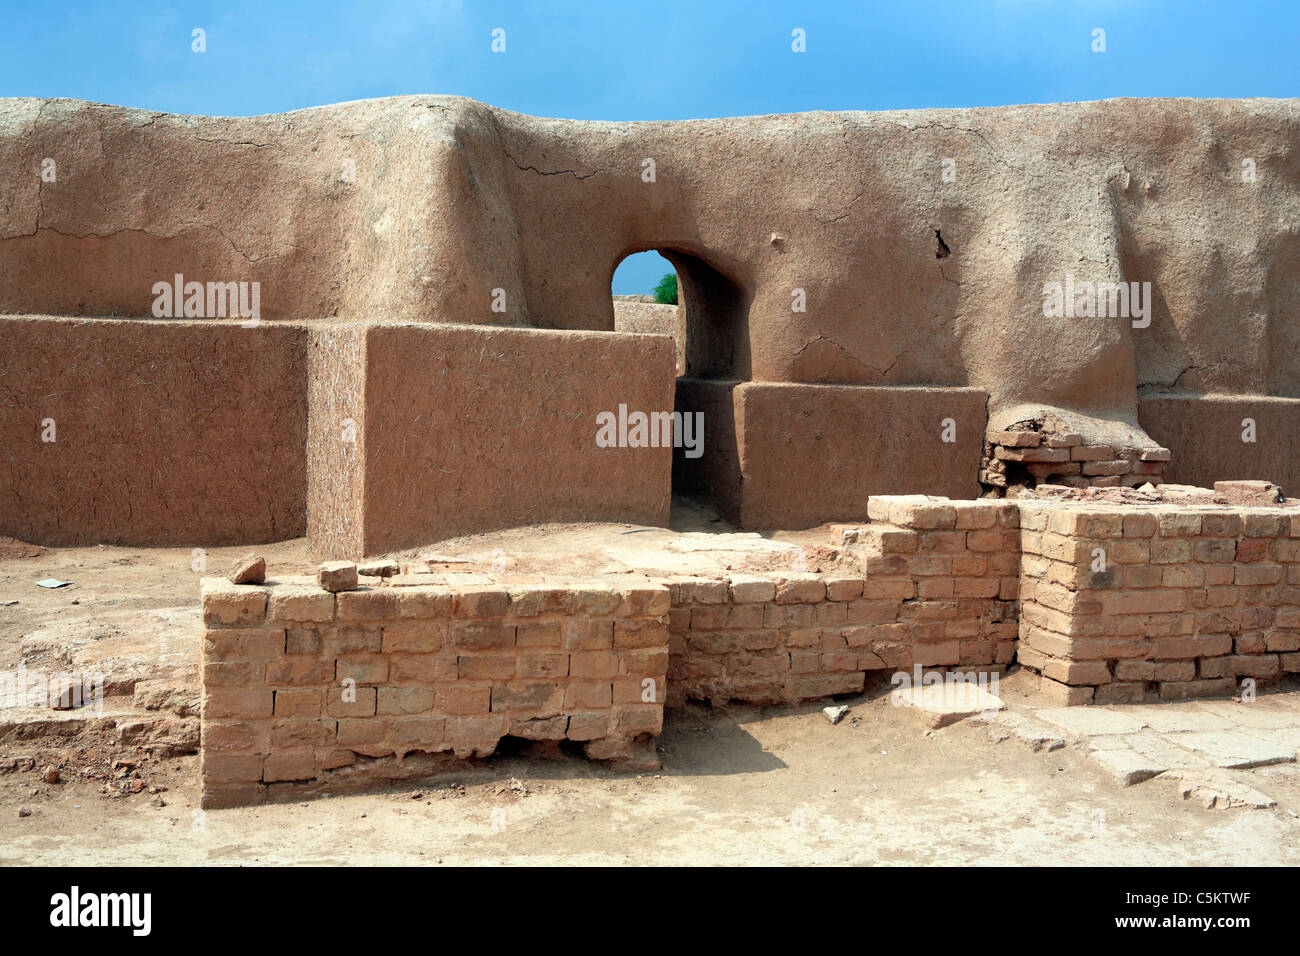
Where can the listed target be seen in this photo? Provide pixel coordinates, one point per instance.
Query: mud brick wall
(461, 429)
(937, 588)
(167, 432)
(1186, 604)
(782, 455)
(442, 670)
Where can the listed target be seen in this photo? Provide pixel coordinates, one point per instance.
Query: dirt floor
(738, 785)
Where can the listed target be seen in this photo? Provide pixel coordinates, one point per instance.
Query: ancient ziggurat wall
(386, 323)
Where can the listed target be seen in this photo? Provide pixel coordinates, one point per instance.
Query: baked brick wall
(1118, 604)
(442, 670)
(936, 588)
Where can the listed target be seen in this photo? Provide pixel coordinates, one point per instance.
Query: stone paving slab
(1234, 749)
(1091, 721)
(939, 705)
(1260, 714)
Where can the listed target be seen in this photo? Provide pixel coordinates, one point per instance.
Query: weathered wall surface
(167, 433)
(910, 277)
(643, 315)
(1205, 436)
(792, 456)
(336, 439)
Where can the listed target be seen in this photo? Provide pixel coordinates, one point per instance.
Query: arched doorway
(709, 322)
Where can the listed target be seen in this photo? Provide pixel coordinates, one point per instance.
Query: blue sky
(654, 59)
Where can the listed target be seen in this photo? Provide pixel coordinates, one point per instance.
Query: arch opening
(709, 325)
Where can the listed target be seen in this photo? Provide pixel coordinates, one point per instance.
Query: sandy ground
(739, 785)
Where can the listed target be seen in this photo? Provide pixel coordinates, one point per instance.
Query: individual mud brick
(485, 666)
(800, 588)
(586, 635)
(588, 726)
(709, 617)
(367, 604)
(290, 766)
(422, 668)
(362, 668)
(1087, 524)
(234, 736)
(423, 602)
(360, 702)
(1184, 648)
(297, 603)
(653, 662)
(648, 600)
(303, 640)
(229, 768)
(418, 733)
(751, 589)
(528, 698)
(1120, 693)
(876, 589)
(480, 603)
(1178, 524)
(247, 644)
(744, 617)
(463, 698)
(593, 664)
(536, 599)
(337, 575)
(1215, 551)
(480, 635)
(539, 634)
(362, 732)
(1171, 550)
(634, 719)
(639, 634)
(588, 695)
(248, 704)
(1077, 672)
(291, 671)
(542, 664)
(232, 605)
(297, 702)
(415, 637)
(1252, 549)
(597, 600)
(1173, 670)
(352, 639)
(700, 591)
(403, 700)
(232, 673)
(1257, 574)
(1065, 695)
(548, 728)
(1092, 453)
(1255, 525)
